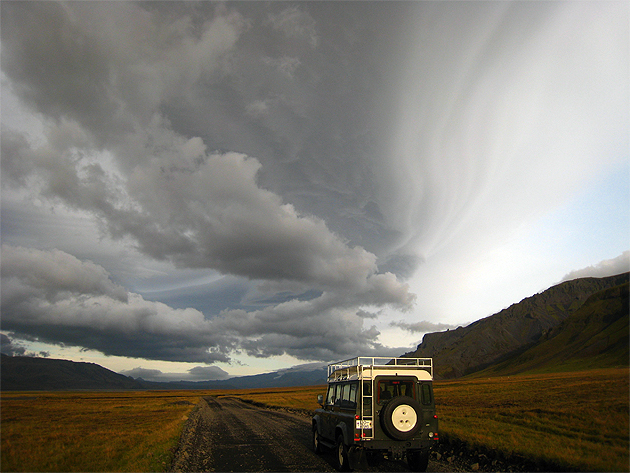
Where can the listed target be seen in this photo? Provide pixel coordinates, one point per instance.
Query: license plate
(364, 424)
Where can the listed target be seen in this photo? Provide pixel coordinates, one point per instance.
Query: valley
(547, 422)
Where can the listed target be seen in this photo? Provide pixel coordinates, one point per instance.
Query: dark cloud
(184, 69)
(313, 154)
(164, 189)
(12, 347)
(54, 297)
(9, 347)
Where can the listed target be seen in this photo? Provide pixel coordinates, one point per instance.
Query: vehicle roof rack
(366, 367)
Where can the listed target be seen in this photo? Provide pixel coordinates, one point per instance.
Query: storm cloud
(193, 181)
(58, 299)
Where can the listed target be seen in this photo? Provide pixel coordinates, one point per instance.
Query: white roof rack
(366, 367)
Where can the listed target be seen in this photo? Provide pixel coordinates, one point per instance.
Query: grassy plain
(294, 398)
(92, 431)
(577, 420)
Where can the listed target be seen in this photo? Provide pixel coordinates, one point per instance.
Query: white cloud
(610, 267)
(422, 327)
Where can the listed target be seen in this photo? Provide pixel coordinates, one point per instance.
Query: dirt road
(226, 434)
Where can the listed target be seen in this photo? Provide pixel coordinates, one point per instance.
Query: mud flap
(357, 459)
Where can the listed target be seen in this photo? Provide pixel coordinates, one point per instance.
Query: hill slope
(511, 331)
(594, 336)
(23, 373)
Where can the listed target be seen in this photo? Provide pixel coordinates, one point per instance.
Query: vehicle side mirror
(320, 399)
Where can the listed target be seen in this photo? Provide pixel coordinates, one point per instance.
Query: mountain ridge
(594, 336)
(511, 331)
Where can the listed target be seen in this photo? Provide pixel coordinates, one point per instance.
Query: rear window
(388, 389)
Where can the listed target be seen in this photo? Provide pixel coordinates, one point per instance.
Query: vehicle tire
(418, 461)
(401, 418)
(341, 455)
(317, 446)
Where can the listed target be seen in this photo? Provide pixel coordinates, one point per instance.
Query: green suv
(375, 408)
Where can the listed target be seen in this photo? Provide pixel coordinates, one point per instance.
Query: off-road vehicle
(377, 408)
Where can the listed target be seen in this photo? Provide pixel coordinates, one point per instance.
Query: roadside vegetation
(577, 421)
(92, 431)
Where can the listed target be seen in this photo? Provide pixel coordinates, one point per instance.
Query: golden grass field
(92, 431)
(578, 420)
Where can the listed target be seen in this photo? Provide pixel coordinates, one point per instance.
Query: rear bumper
(357, 454)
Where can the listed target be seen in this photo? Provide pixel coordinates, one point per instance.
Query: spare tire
(401, 418)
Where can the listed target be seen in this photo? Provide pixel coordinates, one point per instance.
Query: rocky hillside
(510, 332)
(594, 336)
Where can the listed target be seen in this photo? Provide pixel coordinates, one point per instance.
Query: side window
(330, 399)
(426, 394)
(349, 396)
(342, 395)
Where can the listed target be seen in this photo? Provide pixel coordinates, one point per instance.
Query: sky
(198, 190)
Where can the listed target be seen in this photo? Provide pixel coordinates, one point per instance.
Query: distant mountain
(512, 331)
(295, 376)
(23, 373)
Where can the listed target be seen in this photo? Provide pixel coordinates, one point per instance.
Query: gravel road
(227, 434)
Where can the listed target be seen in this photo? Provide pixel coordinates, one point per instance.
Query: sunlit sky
(192, 190)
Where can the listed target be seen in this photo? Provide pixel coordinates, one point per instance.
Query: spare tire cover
(401, 418)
